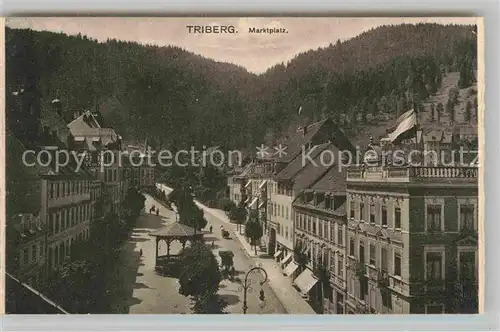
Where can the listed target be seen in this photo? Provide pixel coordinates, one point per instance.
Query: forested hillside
(178, 97)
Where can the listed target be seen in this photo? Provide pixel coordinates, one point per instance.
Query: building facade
(412, 240)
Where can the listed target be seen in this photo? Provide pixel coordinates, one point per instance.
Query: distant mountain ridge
(178, 98)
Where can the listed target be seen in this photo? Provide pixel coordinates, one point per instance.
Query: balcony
(413, 174)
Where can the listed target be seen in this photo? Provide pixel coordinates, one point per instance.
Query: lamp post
(247, 288)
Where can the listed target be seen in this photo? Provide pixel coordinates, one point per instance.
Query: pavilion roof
(175, 230)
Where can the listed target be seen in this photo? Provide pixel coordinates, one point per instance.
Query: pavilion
(173, 232)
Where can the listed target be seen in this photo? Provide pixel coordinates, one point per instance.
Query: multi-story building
(412, 239)
(66, 205)
(103, 148)
(316, 148)
(320, 228)
(31, 240)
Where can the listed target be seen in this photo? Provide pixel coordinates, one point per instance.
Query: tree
(467, 113)
(199, 277)
(253, 230)
(439, 111)
(238, 214)
(189, 214)
(453, 94)
(300, 255)
(209, 303)
(450, 108)
(77, 286)
(323, 274)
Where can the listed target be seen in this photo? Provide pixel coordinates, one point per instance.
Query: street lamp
(247, 288)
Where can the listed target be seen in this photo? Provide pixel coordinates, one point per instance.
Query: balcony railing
(413, 173)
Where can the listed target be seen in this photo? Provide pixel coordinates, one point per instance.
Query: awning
(253, 202)
(305, 281)
(262, 184)
(248, 183)
(290, 269)
(286, 259)
(261, 204)
(246, 200)
(277, 253)
(79, 139)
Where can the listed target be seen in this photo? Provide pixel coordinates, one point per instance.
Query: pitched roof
(332, 133)
(295, 145)
(301, 162)
(333, 181)
(87, 126)
(175, 230)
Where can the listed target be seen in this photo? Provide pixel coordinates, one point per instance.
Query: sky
(255, 52)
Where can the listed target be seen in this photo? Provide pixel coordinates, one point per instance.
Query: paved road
(144, 291)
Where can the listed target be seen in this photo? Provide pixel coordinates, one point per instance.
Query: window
(279, 210)
(372, 213)
(320, 229)
(309, 223)
(297, 220)
(274, 209)
(340, 266)
(397, 218)
(361, 252)
(63, 193)
(467, 217)
(373, 259)
(51, 191)
(351, 247)
(467, 266)
(314, 226)
(433, 218)
(58, 222)
(332, 262)
(286, 214)
(25, 256)
(33, 253)
(286, 232)
(352, 210)
(384, 215)
(434, 265)
(434, 309)
(383, 260)
(361, 211)
(41, 249)
(57, 189)
(325, 231)
(397, 264)
(340, 237)
(282, 210)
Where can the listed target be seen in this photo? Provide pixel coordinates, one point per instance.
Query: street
(144, 291)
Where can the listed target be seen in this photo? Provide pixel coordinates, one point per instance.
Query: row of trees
(84, 282)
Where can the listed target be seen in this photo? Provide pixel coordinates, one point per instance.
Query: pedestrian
(157, 211)
(210, 228)
(213, 245)
(140, 252)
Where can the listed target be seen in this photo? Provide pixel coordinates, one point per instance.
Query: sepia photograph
(243, 165)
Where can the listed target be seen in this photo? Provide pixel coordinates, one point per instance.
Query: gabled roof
(295, 145)
(300, 162)
(333, 181)
(175, 230)
(332, 133)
